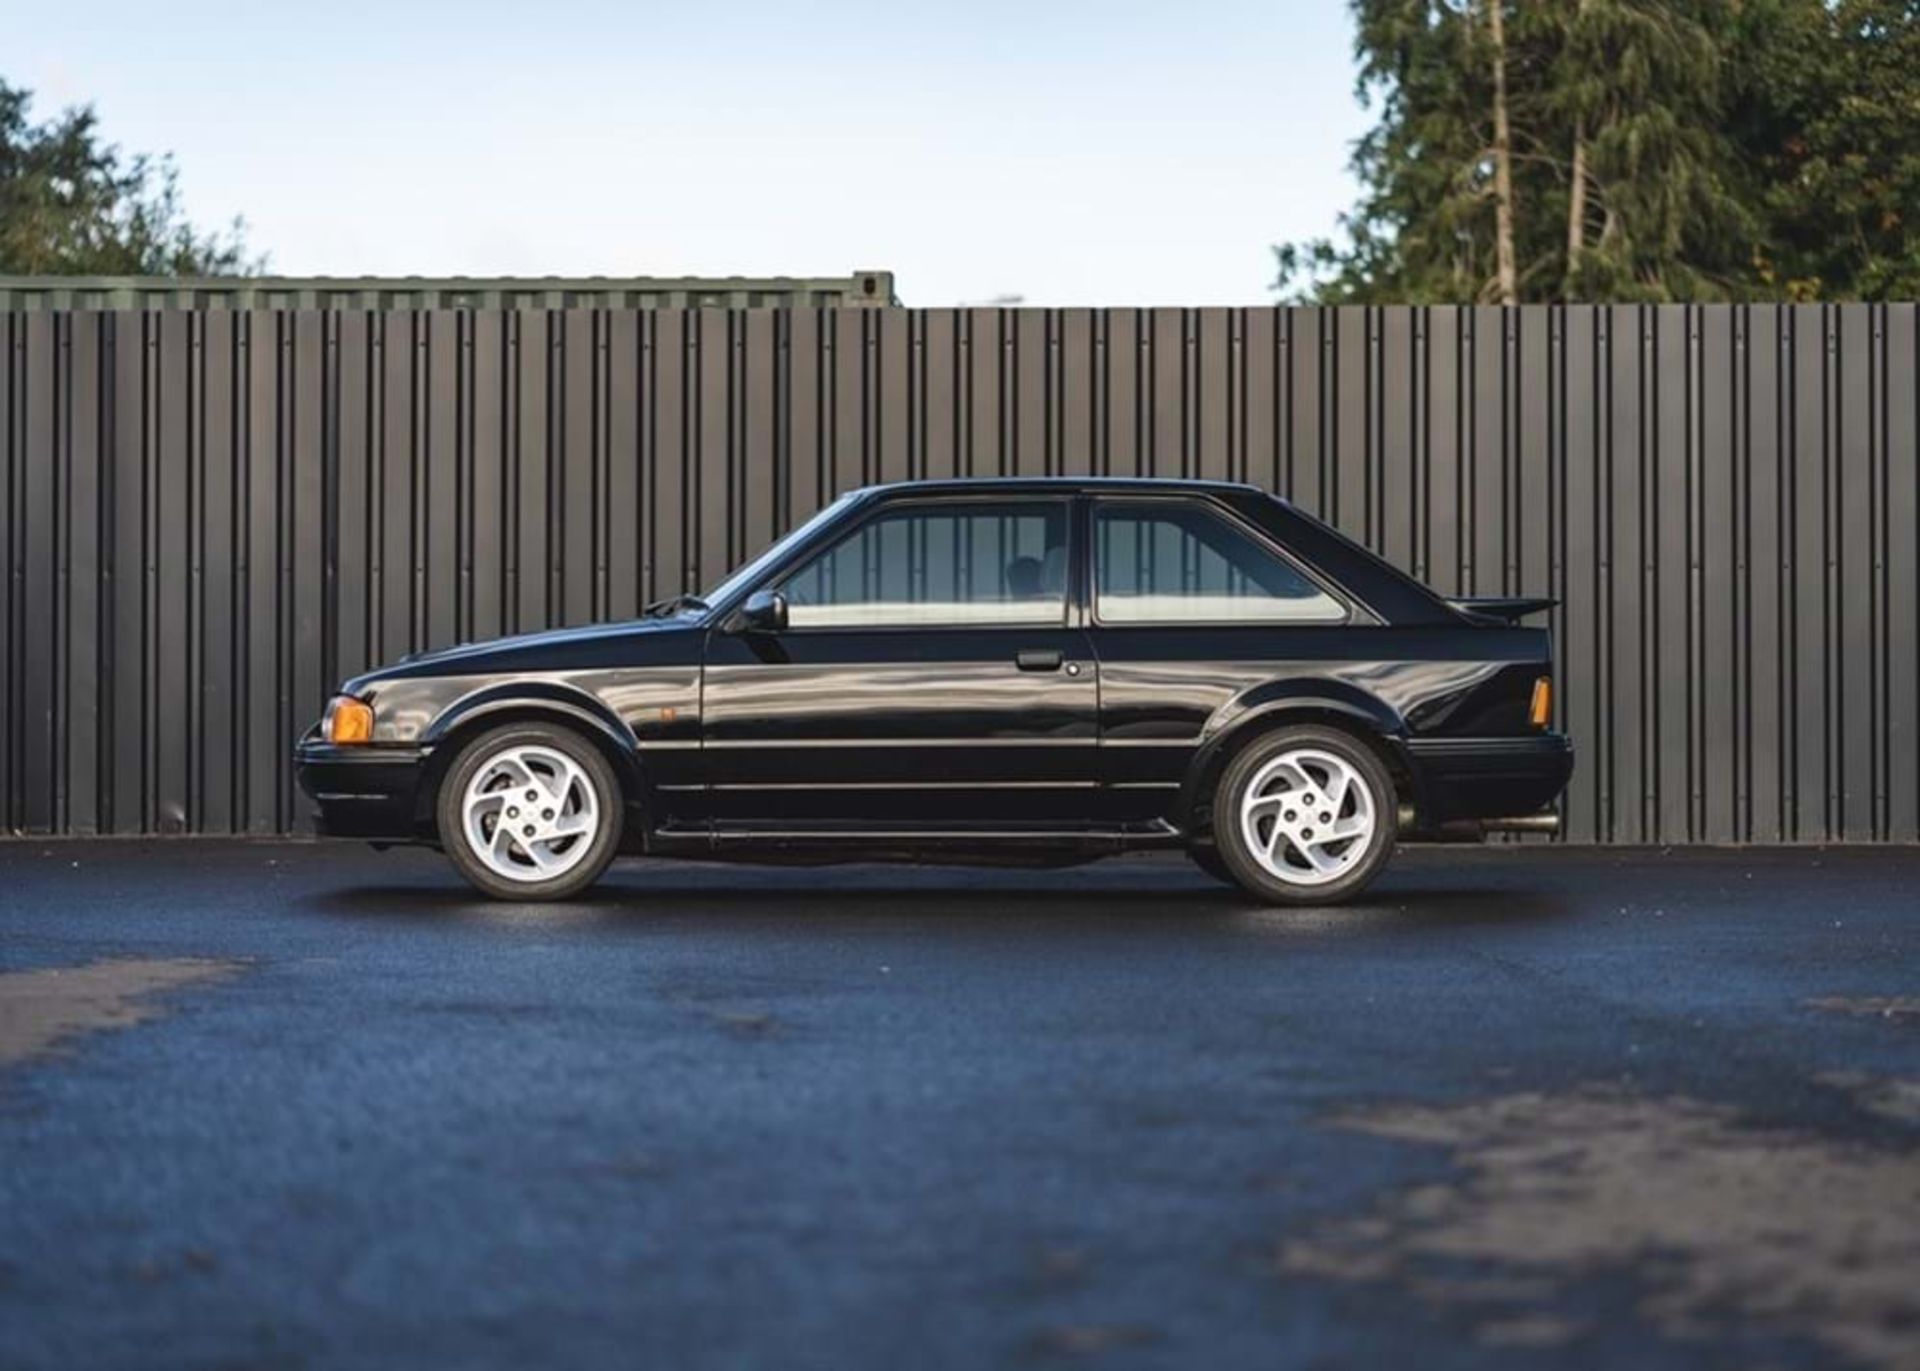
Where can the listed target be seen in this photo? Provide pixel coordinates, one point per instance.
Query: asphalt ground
(302, 1105)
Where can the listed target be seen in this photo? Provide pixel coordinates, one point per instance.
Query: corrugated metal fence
(212, 517)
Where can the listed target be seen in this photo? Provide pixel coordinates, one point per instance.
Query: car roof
(1060, 485)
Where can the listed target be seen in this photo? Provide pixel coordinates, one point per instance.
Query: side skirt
(827, 846)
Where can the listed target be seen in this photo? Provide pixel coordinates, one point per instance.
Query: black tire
(1250, 872)
(586, 868)
(1208, 859)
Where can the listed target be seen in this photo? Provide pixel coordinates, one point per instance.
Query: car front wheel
(1208, 860)
(1305, 815)
(530, 812)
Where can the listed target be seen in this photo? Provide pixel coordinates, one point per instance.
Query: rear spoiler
(1510, 611)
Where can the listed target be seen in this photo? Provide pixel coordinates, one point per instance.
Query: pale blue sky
(1073, 152)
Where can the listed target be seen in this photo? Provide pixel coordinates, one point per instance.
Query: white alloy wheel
(530, 813)
(1308, 816)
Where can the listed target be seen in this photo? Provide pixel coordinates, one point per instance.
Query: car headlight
(348, 721)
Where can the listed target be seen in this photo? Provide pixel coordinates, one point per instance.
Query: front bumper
(1488, 778)
(363, 791)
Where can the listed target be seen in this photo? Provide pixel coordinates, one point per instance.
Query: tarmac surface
(302, 1105)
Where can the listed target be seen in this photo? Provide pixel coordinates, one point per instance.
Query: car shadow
(947, 895)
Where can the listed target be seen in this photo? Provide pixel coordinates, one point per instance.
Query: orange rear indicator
(1541, 710)
(349, 721)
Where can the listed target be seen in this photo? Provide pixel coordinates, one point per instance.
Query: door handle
(1039, 659)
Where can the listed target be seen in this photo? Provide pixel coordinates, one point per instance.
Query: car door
(1190, 606)
(931, 676)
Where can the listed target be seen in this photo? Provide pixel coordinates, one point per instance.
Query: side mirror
(764, 612)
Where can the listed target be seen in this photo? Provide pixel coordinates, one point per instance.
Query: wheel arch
(1369, 720)
(530, 703)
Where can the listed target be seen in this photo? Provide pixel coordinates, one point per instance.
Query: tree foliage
(1834, 124)
(1660, 150)
(71, 204)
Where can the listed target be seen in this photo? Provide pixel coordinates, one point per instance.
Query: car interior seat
(1053, 571)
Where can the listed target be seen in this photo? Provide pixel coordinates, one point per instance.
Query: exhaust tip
(1523, 823)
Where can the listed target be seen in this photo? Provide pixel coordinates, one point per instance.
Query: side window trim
(1231, 520)
(882, 509)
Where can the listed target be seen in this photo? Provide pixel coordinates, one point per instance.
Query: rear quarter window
(1159, 562)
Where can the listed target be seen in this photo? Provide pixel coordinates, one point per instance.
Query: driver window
(992, 562)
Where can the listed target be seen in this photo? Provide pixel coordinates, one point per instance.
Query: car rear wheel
(530, 812)
(1305, 815)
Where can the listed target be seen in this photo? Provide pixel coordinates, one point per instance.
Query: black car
(1010, 671)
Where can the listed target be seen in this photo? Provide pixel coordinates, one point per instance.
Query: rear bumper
(1488, 778)
(362, 792)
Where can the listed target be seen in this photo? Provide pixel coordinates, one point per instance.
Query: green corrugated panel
(863, 289)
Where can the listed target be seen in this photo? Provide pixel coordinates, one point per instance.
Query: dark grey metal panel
(1764, 606)
(1120, 371)
(264, 560)
(1712, 674)
(126, 568)
(1580, 623)
(1668, 379)
(1617, 744)
(208, 517)
(1857, 555)
(36, 582)
(1899, 330)
(79, 692)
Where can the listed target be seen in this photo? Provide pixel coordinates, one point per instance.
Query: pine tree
(1506, 277)
(1650, 213)
(1831, 114)
(1425, 229)
(1652, 150)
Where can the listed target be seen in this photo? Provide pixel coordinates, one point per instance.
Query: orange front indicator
(1541, 711)
(349, 721)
